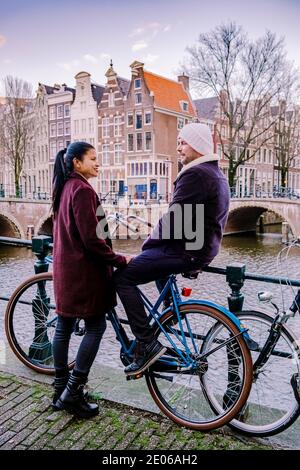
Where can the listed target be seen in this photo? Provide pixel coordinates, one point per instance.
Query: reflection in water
(258, 253)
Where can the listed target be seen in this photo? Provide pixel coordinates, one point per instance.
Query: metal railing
(235, 273)
(9, 191)
(277, 192)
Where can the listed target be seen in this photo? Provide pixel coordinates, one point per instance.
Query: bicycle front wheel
(181, 392)
(272, 406)
(30, 321)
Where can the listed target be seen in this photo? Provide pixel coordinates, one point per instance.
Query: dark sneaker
(145, 355)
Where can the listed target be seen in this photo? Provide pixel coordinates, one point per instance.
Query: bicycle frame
(154, 317)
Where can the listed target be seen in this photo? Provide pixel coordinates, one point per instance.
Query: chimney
(185, 80)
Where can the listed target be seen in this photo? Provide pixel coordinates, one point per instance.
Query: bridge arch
(243, 217)
(45, 226)
(10, 227)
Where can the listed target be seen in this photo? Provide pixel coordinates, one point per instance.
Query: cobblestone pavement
(28, 422)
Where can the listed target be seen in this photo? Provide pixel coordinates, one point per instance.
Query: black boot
(59, 384)
(74, 401)
(145, 355)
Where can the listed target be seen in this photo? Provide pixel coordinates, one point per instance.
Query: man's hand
(129, 258)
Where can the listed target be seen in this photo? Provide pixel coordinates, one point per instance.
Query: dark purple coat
(204, 184)
(82, 262)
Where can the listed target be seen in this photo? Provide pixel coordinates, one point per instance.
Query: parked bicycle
(273, 404)
(201, 382)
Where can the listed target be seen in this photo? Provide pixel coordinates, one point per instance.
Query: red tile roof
(168, 93)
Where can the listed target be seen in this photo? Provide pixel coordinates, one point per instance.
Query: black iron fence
(235, 273)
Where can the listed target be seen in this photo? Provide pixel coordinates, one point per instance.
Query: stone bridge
(23, 218)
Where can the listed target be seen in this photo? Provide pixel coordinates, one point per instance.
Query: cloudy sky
(50, 41)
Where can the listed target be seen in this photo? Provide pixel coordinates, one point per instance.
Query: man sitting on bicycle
(186, 238)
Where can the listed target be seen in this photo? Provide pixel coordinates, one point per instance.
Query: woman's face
(89, 166)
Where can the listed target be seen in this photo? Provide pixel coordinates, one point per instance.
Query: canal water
(258, 253)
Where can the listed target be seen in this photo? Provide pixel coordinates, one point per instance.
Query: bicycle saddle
(192, 274)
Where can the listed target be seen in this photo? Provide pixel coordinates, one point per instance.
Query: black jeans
(151, 265)
(94, 329)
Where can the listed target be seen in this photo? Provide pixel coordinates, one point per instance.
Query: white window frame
(53, 129)
(141, 149)
(180, 123)
(118, 154)
(105, 126)
(145, 122)
(138, 103)
(183, 104)
(128, 142)
(105, 155)
(67, 127)
(131, 115)
(117, 126)
(52, 113)
(145, 137)
(67, 110)
(60, 128)
(60, 111)
(91, 125)
(140, 83)
(138, 113)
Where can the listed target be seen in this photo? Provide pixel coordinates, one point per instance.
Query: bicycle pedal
(134, 377)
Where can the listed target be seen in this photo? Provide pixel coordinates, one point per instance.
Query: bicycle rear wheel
(272, 406)
(30, 321)
(180, 391)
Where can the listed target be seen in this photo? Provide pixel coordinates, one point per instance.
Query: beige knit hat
(198, 136)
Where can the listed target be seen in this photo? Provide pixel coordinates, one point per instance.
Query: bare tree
(287, 139)
(14, 125)
(247, 77)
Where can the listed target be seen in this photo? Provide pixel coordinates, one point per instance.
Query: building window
(138, 121)
(52, 112)
(111, 99)
(129, 119)
(105, 127)
(105, 155)
(148, 139)
(52, 149)
(118, 154)
(76, 126)
(117, 126)
(60, 111)
(60, 128)
(138, 98)
(82, 106)
(137, 83)
(91, 125)
(139, 141)
(53, 129)
(180, 123)
(148, 117)
(130, 143)
(67, 110)
(83, 125)
(60, 145)
(184, 106)
(67, 128)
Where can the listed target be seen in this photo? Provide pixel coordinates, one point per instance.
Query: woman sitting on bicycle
(82, 270)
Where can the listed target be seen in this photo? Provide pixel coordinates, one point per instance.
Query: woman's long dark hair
(63, 167)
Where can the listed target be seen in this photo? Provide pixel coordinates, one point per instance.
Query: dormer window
(137, 83)
(184, 106)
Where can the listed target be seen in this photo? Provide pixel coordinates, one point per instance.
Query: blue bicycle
(201, 382)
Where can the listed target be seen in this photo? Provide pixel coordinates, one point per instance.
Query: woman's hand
(129, 258)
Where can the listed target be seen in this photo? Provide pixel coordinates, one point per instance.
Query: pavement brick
(27, 421)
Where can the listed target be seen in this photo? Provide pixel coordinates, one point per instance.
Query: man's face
(186, 152)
